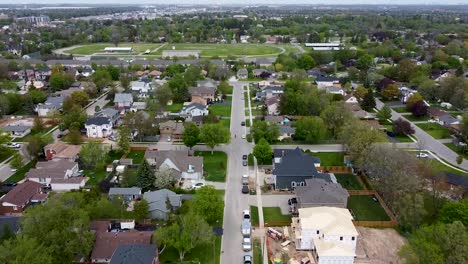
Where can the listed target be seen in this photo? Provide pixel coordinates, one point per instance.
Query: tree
(123, 140)
(24, 249)
(361, 92)
(192, 75)
(224, 88)
(368, 102)
(419, 109)
(124, 81)
(306, 62)
(74, 136)
(464, 127)
(141, 210)
(101, 78)
(310, 129)
(36, 143)
(455, 211)
(60, 80)
(208, 204)
(145, 176)
(334, 116)
(385, 113)
(364, 62)
(214, 134)
(164, 178)
(191, 135)
(459, 159)
(92, 154)
(80, 98)
(390, 92)
(190, 231)
(38, 125)
(428, 89)
(402, 127)
(6, 233)
(37, 96)
(163, 94)
(17, 161)
(412, 100)
(263, 152)
(262, 129)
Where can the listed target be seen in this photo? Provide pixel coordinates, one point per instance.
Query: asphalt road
(427, 142)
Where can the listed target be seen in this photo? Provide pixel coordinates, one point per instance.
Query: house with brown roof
(62, 150)
(182, 165)
(171, 129)
(202, 94)
(59, 175)
(109, 236)
(22, 195)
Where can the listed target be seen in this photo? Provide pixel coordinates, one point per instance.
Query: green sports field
(90, 49)
(224, 50)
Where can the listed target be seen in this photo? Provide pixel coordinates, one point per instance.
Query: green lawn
(458, 150)
(438, 166)
(224, 50)
(401, 109)
(254, 215)
(20, 174)
(5, 153)
(435, 130)
(365, 208)
(226, 123)
(214, 165)
(348, 181)
(271, 215)
(401, 138)
(220, 109)
(137, 156)
(99, 48)
(257, 251)
(329, 158)
(174, 108)
(96, 175)
(413, 118)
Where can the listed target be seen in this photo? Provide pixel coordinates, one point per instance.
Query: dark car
(245, 189)
(390, 134)
(247, 259)
(244, 157)
(243, 123)
(10, 184)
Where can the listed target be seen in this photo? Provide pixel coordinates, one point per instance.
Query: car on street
(243, 136)
(245, 189)
(246, 244)
(197, 186)
(243, 123)
(244, 157)
(169, 139)
(248, 259)
(10, 184)
(422, 155)
(246, 214)
(244, 163)
(246, 227)
(14, 145)
(245, 179)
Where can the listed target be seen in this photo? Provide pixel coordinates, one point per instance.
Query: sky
(248, 2)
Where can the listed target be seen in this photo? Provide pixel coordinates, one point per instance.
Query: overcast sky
(245, 2)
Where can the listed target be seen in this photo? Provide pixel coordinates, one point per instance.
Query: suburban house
(171, 129)
(318, 192)
(272, 105)
(52, 103)
(358, 112)
(62, 150)
(109, 235)
(326, 81)
(59, 175)
(183, 166)
(160, 200)
(269, 91)
(207, 83)
(194, 109)
(335, 90)
(155, 74)
(350, 99)
(328, 231)
(292, 167)
(286, 131)
(22, 195)
(17, 130)
(128, 194)
(135, 254)
(406, 93)
(443, 118)
(242, 73)
(257, 73)
(202, 94)
(110, 113)
(180, 53)
(98, 127)
(123, 100)
(42, 75)
(141, 87)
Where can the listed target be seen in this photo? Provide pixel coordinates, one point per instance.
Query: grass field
(99, 48)
(439, 167)
(221, 109)
(401, 109)
(257, 251)
(365, 208)
(435, 130)
(271, 215)
(137, 156)
(5, 153)
(174, 108)
(224, 50)
(348, 181)
(456, 149)
(226, 123)
(413, 118)
(329, 158)
(20, 174)
(401, 138)
(214, 165)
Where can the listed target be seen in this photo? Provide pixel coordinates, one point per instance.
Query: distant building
(98, 127)
(18, 130)
(59, 175)
(325, 46)
(242, 73)
(180, 53)
(52, 103)
(22, 195)
(135, 254)
(118, 49)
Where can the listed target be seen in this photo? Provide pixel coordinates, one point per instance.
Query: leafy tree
(306, 62)
(141, 210)
(268, 131)
(145, 176)
(92, 154)
(310, 129)
(214, 134)
(17, 161)
(4, 105)
(364, 62)
(37, 96)
(25, 250)
(402, 127)
(36, 143)
(361, 92)
(6, 233)
(223, 87)
(74, 136)
(384, 113)
(428, 89)
(263, 152)
(80, 98)
(38, 125)
(455, 211)
(60, 80)
(334, 116)
(412, 100)
(419, 109)
(459, 159)
(125, 81)
(179, 89)
(164, 178)
(368, 102)
(123, 140)
(192, 75)
(464, 127)
(101, 78)
(75, 115)
(191, 135)
(390, 92)
(190, 231)
(208, 204)
(163, 94)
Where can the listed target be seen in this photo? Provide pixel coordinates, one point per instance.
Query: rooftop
(330, 220)
(134, 254)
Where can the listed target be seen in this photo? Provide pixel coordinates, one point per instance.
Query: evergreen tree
(145, 176)
(368, 102)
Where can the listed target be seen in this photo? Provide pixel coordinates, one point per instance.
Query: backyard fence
(138, 148)
(336, 169)
(381, 224)
(277, 223)
(391, 223)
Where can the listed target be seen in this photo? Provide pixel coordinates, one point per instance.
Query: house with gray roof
(98, 127)
(286, 131)
(128, 194)
(110, 113)
(123, 100)
(135, 254)
(293, 167)
(18, 130)
(182, 165)
(319, 192)
(242, 73)
(194, 109)
(52, 103)
(162, 203)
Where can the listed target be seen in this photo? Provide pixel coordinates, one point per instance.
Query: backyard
(272, 216)
(365, 208)
(400, 138)
(411, 117)
(174, 108)
(329, 158)
(221, 109)
(208, 254)
(348, 181)
(136, 155)
(214, 165)
(435, 130)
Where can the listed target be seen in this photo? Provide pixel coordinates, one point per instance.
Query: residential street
(427, 142)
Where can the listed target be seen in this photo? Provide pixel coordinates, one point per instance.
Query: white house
(329, 231)
(350, 99)
(59, 175)
(52, 103)
(335, 90)
(98, 127)
(326, 81)
(142, 87)
(406, 93)
(194, 109)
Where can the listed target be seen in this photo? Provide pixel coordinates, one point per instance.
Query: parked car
(244, 157)
(14, 145)
(246, 228)
(243, 123)
(390, 134)
(14, 170)
(248, 259)
(245, 189)
(422, 155)
(246, 244)
(10, 184)
(169, 139)
(197, 186)
(243, 136)
(246, 214)
(245, 179)
(244, 163)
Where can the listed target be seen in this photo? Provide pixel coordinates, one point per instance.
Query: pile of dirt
(380, 246)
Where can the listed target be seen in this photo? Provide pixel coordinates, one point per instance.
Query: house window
(293, 184)
(341, 238)
(302, 183)
(353, 238)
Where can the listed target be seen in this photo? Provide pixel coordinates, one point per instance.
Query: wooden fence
(391, 223)
(336, 169)
(361, 192)
(138, 148)
(381, 224)
(277, 223)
